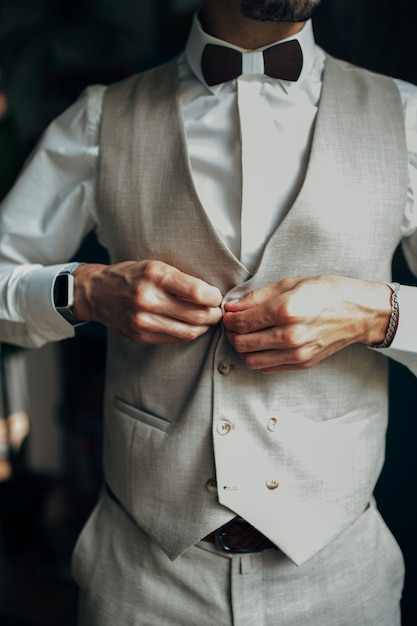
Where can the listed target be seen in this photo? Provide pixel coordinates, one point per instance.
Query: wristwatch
(63, 293)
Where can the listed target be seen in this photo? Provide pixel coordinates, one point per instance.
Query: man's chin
(279, 10)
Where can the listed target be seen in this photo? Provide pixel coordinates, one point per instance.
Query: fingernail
(232, 302)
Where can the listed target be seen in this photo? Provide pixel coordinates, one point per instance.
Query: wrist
(84, 281)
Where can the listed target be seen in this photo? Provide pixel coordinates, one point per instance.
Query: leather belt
(238, 537)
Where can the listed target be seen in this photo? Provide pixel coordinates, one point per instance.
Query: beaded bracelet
(393, 320)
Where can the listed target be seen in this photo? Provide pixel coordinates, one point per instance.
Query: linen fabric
(126, 579)
(308, 479)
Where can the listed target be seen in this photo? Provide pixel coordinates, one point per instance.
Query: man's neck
(222, 19)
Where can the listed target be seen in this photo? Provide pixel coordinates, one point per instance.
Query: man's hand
(297, 322)
(147, 301)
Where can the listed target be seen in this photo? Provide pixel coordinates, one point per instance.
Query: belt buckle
(219, 540)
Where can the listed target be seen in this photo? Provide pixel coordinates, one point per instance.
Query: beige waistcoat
(297, 454)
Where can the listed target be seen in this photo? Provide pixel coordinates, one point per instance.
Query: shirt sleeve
(404, 347)
(43, 221)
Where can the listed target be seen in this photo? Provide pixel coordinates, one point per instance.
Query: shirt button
(211, 485)
(223, 428)
(272, 484)
(224, 367)
(272, 424)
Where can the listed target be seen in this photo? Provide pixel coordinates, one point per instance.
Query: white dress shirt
(248, 140)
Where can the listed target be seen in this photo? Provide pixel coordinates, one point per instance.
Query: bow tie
(220, 63)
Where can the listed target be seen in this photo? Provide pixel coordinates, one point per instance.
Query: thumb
(259, 296)
(247, 301)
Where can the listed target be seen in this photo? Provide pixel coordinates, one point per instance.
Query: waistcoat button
(211, 485)
(272, 424)
(272, 484)
(223, 428)
(224, 367)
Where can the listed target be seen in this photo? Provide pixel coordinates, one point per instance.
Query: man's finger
(260, 296)
(248, 321)
(191, 288)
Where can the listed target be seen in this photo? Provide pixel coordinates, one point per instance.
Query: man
(251, 220)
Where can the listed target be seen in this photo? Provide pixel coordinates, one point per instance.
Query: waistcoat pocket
(139, 415)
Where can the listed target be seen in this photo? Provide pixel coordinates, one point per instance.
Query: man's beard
(278, 10)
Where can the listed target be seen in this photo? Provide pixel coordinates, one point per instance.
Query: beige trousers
(126, 580)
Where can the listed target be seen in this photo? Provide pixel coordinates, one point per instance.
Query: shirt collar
(198, 38)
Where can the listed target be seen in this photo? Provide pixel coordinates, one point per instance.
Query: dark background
(49, 51)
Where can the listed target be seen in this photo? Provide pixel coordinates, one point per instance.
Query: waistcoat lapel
(160, 215)
(354, 189)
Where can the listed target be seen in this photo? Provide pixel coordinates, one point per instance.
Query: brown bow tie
(220, 63)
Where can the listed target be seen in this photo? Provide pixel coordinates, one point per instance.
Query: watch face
(63, 290)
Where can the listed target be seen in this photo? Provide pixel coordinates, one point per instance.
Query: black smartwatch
(63, 293)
